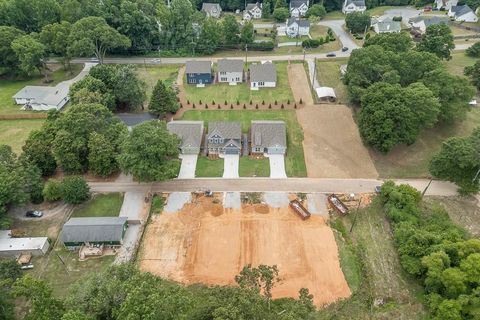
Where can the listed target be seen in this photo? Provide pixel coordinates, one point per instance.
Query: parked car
(34, 214)
(378, 189)
(331, 54)
(94, 60)
(344, 49)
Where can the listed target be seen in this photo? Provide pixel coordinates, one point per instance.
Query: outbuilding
(94, 230)
(326, 94)
(14, 247)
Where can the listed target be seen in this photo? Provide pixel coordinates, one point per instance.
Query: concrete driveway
(230, 165)
(133, 205)
(342, 35)
(188, 166)
(406, 13)
(277, 166)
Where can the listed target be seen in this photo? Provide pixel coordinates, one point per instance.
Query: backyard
(294, 160)
(15, 132)
(328, 74)
(150, 74)
(101, 205)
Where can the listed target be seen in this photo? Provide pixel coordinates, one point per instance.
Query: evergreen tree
(163, 100)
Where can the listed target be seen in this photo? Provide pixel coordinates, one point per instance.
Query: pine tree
(163, 100)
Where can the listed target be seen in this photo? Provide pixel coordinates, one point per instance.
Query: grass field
(294, 161)
(15, 132)
(150, 74)
(458, 62)
(328, 74)
(250, 167)
(282, 39)
(8, 87)
(102, 205)
(241, 92)
(317, 31)
(209, 168)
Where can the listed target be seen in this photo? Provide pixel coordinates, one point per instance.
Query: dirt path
(332, 145)
(209, 244)
(299, 83)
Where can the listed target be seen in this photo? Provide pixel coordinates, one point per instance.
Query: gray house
(96, 230)
(263, 75)
(268, 137)
(212, 9)
(190, 134)
(199, 72)
(230, 71)
(224, 137)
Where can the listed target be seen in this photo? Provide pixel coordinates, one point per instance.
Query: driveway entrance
(187, 168)
(230, 165)
(277, 166)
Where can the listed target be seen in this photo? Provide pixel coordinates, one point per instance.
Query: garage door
(232, 151)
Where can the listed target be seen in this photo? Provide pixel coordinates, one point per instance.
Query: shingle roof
(226, 65)
(301, 23)
(226, 129)
(132, 119)
(266, 134)
(263, 72)
(194, 66)
(358, 3)
(209, 6)
(388, 25)
(429, 20)
(461, 10)
(251, 6)
(190, 132)
(44, 95)
(93, 229)
(297, 3)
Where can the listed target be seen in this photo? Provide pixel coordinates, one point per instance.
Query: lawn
(209, 168)
(334, 15)
(458, 62)
(10, 86)
(317, 31)
(150, 74)
(241, 92)
(15, 132)
(328, 74)
(282, 39)
(250, 167)
(102, 205)
(294, 160)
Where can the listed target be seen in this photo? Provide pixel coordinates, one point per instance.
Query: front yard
(328, 74)
(209, 168)
(15, 132)
(250, 167)
(101, 205)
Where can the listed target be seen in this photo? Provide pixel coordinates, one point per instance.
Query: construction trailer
(337, 204)
(299, 209)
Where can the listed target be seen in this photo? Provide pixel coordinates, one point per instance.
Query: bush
(262, 46)
(311, 43)
(75, 190)
(52, 191)
(474, 50)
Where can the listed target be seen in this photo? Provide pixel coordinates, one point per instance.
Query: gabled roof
(263, 72)
(226, 129)
(194, 66)
(461, 10)
(298, 3)
(93, 229)
(301, 23)
(357, 3)
(251, 6)
(189, 132)
(230, 65)
(266, 134)
(206, 6)
(429, 20)
(388, 25)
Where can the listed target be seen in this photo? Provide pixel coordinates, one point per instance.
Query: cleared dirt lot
(299, 83)
(332, 145)
(209, 244)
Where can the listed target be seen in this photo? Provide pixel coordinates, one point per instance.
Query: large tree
(473, 72)
(316, 10)
(247, 34)
(163, 100)
(357, 22)
(396, 42)
(150, 152)
(438, 39)
(29, 15)
(101, 155)
(31, 54)
(474, 50)
(55, 37)
(8, 57)
(231, 30)
(92, 90)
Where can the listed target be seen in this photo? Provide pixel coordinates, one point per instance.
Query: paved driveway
(133, 205)
(230, 165)
(277, 166)
(406, 13)
(188, 166)
(342, 35)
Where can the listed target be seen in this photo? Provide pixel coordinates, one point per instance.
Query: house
(94, 230)
(230, 71)
(253, 11)
(298, 8)
(268, 137)
(462, 14)
(343, 69)
(190, 134)
(14, 247)
(387, 26)
(212, 9)
(224, 137)
(297, 27)
(326, 94)
(263, 75)
(445, 4)
(421, 23)
(199, 72)
(350, 6)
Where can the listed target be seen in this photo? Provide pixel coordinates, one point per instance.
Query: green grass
(151, 74)
(334, 15)
(317, 31)
(250, 167)
(241, 92)
(157, 204)
(10, 86)
(209, 168)
(378, 11)
(15, 132)
(102, 205)
(294, 160)
(282, 39)
(328, 74)
(458, 62)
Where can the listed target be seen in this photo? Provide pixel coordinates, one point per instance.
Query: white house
(263, 75)
(253, 11)
(421, 23)
(298, 8)
(297, 28)
(230, 71)
(462, 14)
(446, 4)
(387, 26)
(212, 9)
(350, 6)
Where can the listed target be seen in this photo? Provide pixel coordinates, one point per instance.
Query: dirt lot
(209, 244)
(298, 80)
(332, 145)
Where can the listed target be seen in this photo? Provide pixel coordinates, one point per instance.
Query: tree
(316, 10)
(31, 54)
(247, 35)
(473, 72)
(177, 33)
(280, 4)
(9, 272)
(163, 100)
(471, 267)
(55, 37)
(357, 22)
(260, 279)
(92, 35)
(210, 36)
(52, 191)
(91, 90)
(75, 190)
(101, 155)
(438, 39)
(231, 30)
(150, 152)
(266, 9)
(473, 50)
(29, 15)
(454, 281)
(396, 42)
(38, 150)
(281, 14)
(449, 310)
(8, 58)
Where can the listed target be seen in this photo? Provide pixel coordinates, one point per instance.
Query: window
(237, 79)
(223, 73)
(223, 79)
(261, 83)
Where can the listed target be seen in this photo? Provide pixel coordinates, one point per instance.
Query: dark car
(34, 214)
(344, 49)
(331, 54)
(378, 189)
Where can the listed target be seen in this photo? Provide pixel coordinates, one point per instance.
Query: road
(307, 185)
(341, 33)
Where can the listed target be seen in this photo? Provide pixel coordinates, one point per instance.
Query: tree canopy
(357, 22)
(438, 39)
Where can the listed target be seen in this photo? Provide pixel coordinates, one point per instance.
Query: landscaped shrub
(270, 106)
(244, 106)
(283, 107)
(52, 191)
(206, 106)
(256, 106)
(199, 101)
(231, 106)
(288, 101)
(188, 101)
(213, 102)
(262, 46)
(310, 43)
(219, 107)
(263, 102)
(251, 102)
(75, 190)
(301, 101)
(226, 102)
(193, 106)
(275, 102)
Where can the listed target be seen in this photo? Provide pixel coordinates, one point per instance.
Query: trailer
(299, 209)
(337, 204)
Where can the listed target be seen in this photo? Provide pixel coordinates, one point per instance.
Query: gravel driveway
(277, 166)
(187, 168)
(230, 165)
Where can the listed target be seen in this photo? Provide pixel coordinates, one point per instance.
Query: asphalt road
(307, 185)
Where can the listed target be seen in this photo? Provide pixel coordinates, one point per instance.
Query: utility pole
(428, 185)
(246, 53)
(356, 214)
(303, 55)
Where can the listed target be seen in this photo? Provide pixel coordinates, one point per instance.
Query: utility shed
(12, 247)
(95, 230)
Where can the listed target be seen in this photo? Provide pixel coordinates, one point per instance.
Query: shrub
(188, 101)
(262, 46)
(199, 101)
(52, 191)
(231, 106)
(311, 43)
(238, 102)
(251, 102)
(193, 106)
(218, 107)
(181, 106)
(226, 102)
(295, 106)
(75, 190)
(397, 18)
(270, 106)
(244, 106)
(301, 101)
(275, 102)
(283, 107)
(256, 106)
(288, 101)
(263, 102)
(206, 106)
(213, 102)
(474, 50)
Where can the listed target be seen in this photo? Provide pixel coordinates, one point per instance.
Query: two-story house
(230, 71)
(212, 10)
(445, 4)
(298, 8)
(263, 75)
(297, 28)
(350, 6)
(421, 23)
(224, 137)
(199, 72)
(190, 134)
(462, 14)
(253, 11)
(268, 137)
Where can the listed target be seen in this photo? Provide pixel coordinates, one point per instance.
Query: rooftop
(194, 66)
(230, 65)
(461, 10)
(301, 23)
(15, 244)
(226, 129)
(263, 72)
(358, 3)
(206, 6)
(93, 229)
(268, 134)
(190, 132)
